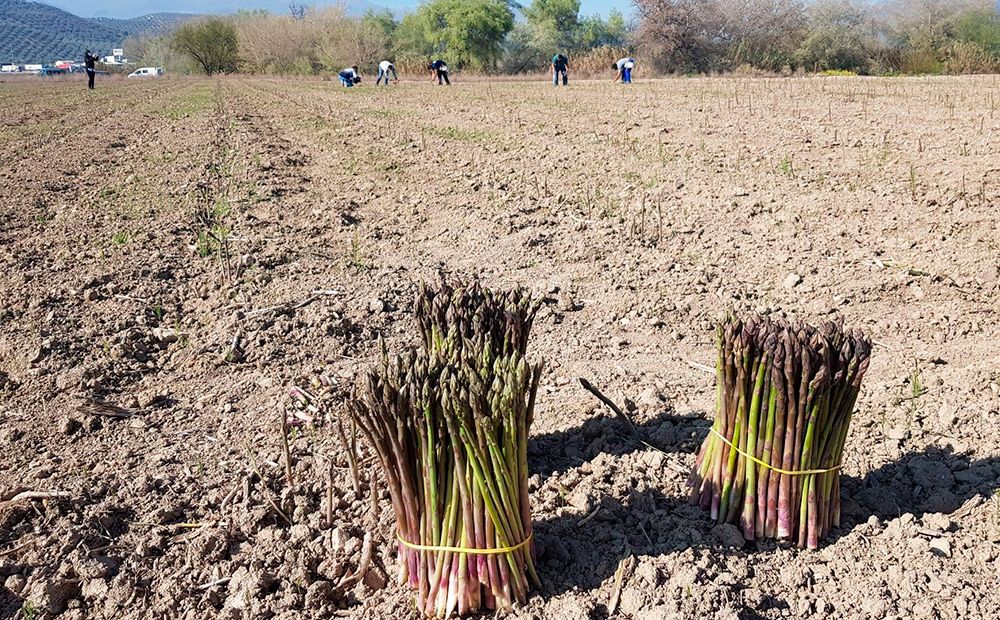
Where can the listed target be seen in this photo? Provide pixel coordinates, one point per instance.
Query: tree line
(889, 37)
(667, 36)
(473, 35)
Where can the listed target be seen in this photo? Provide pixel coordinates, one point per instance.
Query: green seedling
(785, 167)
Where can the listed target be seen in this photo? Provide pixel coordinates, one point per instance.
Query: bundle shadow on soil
(930, 481)
(557, 452)
(580, 554)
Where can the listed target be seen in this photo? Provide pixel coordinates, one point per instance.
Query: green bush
(211, 43)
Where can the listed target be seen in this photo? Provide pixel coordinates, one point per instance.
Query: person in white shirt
(624, 68)
(384, 69)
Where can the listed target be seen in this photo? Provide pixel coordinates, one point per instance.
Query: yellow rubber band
(465, 550)
(803, 472)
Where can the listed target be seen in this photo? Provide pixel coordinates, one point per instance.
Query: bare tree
(681, 36)
(342, 41)
(713, 35)
(843, 34)
(925, 24)
(762, 33)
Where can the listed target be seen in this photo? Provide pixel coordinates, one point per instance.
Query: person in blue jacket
(560, 64)
(349, 76)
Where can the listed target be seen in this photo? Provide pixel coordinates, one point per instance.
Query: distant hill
(36, 32)
(117, 8)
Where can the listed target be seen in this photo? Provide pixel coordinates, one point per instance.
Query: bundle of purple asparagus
(449, 422)
(785, 394)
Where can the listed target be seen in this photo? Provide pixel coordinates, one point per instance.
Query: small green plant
(205, 244)
(357, 259)
(121, 237)
(158, 312)
(454, 133)
(563, 493)
(221, 209)
(785, 167)
(911, 400)
(384, 113)
(29, 611)
(210, 240)
(195, 101)
(916, 383)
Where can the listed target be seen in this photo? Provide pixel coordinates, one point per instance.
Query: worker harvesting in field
(90, 62)
(560, 64)
(384, 68)
(624, 68)
(439, 70)
(349, 76)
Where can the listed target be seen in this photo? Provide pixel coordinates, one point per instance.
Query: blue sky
(589, 7)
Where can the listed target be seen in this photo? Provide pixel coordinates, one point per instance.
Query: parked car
(146, 72)
(51, 71)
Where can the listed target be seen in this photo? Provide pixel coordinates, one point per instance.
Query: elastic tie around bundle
(802, 472)
(464, 550)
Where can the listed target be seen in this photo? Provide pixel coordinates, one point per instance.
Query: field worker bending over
(439, 70)
(624, 68)
(559, 66)
(384, 69)
(349, 76)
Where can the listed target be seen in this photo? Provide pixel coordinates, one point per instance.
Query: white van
(147, 72)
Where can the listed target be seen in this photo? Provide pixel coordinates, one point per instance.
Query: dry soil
(174, 255)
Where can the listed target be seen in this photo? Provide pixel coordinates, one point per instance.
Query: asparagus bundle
(450, 425)
(785, 394)
(504, 319)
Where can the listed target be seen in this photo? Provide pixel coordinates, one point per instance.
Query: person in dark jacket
(349, 76)
(439, 70)
(559, 66)
(90, 62)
